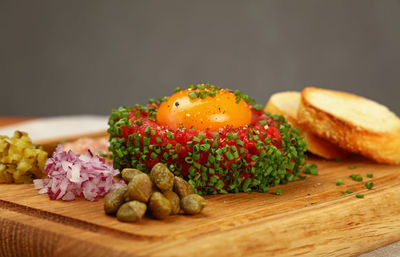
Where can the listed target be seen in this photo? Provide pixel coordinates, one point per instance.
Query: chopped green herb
(359, 195)
(258, 107)
(193, 95)
(262, 122)
(339, 182)
(278, 191)
(311, 169)
(348, 192)
(356, 177)
(369, 184)
(351, 167)
(370, 175)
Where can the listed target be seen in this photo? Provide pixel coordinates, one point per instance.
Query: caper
(140, 188)
(182, 187)
(162, 177)
(113, 200)
(174, 200)
(129, 173)
(131, 211)
(159, 206)
(193, 204)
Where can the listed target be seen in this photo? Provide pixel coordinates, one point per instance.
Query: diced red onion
(72, 175)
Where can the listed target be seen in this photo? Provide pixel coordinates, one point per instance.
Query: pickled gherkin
(20, 160)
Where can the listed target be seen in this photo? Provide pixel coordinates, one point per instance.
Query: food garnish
(370, 175)
(356, 177)
(358, 195)
(339, 182)
(153, 192)
(71, 175)
(348, 192)
(217, 140)
(311, 169)
(20, 160)
(369, 184)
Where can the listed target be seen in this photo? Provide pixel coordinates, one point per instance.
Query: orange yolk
(212, 112)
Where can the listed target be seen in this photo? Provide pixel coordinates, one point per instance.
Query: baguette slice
(354, 123)
(286, 104)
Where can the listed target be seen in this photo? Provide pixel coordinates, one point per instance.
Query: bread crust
(316, 144)
(383, 147)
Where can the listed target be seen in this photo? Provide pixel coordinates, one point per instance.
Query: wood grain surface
(311, 218)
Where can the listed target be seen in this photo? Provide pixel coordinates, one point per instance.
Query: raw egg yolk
(209, 113)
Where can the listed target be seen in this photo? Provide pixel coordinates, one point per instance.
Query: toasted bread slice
(286, 104)
(355, 123)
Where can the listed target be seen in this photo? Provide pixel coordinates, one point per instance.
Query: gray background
(70, 57)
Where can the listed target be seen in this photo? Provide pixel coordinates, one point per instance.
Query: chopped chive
(153, 155)
(258, 107)
(262, 122)
(239, 142)
(165, 155)
(370, 175)
(189, 160)
(351, 167)
(359, 195)
(201, 135)
(339, 182)
(196, 139)
(278, 191)
(229, 155)
(147, 130)
(219, 185)
(356, 177)
(311, 169)
(193, 95)
(158, 140)
(369, 184)
(205, 147)
(146, 141)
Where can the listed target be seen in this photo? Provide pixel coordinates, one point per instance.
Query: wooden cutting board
(311, 218)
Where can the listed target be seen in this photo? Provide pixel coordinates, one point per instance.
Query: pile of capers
(160, 194)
